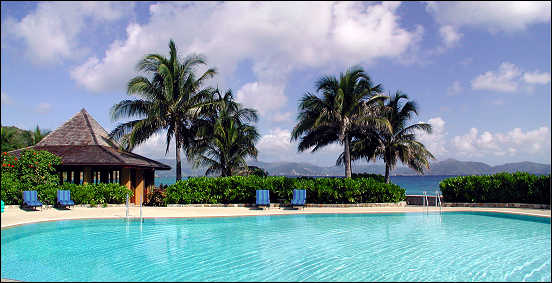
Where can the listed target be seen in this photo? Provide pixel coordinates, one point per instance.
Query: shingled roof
(83, 141)
(81, 129)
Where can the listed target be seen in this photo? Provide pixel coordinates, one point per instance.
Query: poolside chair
(299, 198)
(64, 198)
(263, 198)
(30, 199)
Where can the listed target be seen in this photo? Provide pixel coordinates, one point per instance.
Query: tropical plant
(170, 99)
(397, 142)
(256, 171)
(38, 135)
(345, 105)
(31, 170)
(15, 138)
(7, 136)
(224, 138)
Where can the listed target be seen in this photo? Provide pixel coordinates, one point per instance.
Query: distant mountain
(445, 167)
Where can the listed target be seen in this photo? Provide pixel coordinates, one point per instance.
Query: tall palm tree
(225, 139)
(345, 104)
(169, 99)
(397, 143)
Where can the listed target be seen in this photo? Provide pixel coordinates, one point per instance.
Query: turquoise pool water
(331, 247)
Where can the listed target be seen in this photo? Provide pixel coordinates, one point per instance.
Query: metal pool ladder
(127, 218)
(127, 206)
(426, 202)
(438, 200)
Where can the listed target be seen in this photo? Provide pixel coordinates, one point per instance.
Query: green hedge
(35, 171)
(519, 187)
(241, 189)
(377, 177)
(81, 194)
(98, 193)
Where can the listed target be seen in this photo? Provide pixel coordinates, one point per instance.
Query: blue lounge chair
(263, 198)
(299, 198)
(64, 198)
(30, 199)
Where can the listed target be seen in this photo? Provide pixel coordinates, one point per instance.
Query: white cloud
(536, 77)
(455, 88)
(43, 108)
(276, 142)
(275, 146)
(155, 147)
(508, 78)
(492, 16)
(435, 142)
(504, 80)
(264, 97)
(6, 99)
(277, 38)
(449, 35)
(513, 142)
(51, 31)
(282, 117)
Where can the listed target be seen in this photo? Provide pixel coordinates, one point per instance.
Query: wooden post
(69, 176)
(61, 178)
(139, 190)
(125, 179)
(87, 176)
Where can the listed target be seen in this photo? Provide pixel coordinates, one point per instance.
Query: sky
(479, 72)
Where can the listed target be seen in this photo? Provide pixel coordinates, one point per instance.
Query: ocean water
(414, 185)
(326, 247)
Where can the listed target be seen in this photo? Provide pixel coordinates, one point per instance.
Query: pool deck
(16, 216)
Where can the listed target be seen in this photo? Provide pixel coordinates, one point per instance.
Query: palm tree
(224, 139)
(345, 104)
(170, 99)
(397, 143)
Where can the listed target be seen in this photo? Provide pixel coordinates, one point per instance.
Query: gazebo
(89, 155)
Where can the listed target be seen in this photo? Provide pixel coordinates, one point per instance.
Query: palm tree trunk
(178, 162)
(387, 173)
(347, 158)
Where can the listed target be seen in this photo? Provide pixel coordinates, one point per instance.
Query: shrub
(80, 194)
(377, 177)
(33, 170)
(155, 197)
(241, 189)
(519, 187)
(97, 193)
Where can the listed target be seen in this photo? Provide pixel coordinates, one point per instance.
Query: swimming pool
(452, 246)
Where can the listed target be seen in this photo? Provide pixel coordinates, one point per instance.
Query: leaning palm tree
(169, 100)
(345, 104)
(224, 138)
(397, 143)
